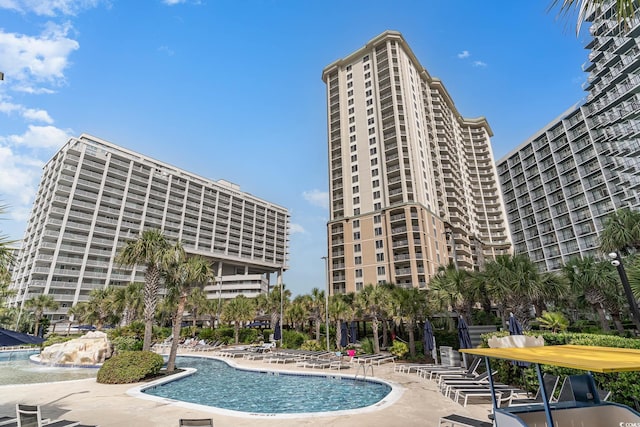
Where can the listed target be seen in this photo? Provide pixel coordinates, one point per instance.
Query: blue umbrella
(354, 333)
(11, 338)
(343, 334)
(277, 335)
(514, 326)
(428, 338)
(463, 334)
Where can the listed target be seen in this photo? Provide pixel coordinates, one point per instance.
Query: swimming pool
(219, 387)
(16, 368)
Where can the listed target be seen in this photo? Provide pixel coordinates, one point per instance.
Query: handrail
(364, 372)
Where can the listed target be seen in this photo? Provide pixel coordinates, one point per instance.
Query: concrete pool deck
(86, 401)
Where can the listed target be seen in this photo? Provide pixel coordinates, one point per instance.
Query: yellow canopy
(586, 358)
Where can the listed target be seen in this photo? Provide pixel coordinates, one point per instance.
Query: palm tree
(453, 289)
(339, 311)
(409, 305)
(591, 279)
(238, 310)
(181, 278)
(554, 321)
(269, 304)
(298, 311)
(370, 302)
(101, 305)
(196, 303)
(317, 309)
(80, 312)
(624, 10)
(621, 232)
(152, 250)
(40, 304)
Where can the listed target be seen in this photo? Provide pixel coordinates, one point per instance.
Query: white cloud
(47, 137)
(464, 54)
(167, 50)
(37, 115)
(19, 178)
(317, 198)
(49, 7)
(173, 2)
(28, 60)
(479, 64)
(296, 228)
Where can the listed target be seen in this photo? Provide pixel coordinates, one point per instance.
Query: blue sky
(232, 89)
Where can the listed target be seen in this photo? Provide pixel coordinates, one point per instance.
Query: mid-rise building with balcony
(94, 196)
(412, 183)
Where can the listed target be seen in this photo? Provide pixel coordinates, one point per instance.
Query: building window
(367, 75)
(348, 67)
(374, 162)
(352, 138)
(369, 102)
(372, 140)
(350, 102)
(356, 223)
(379, 244)
(380, 271)
(379, 257)
(357, 260)
(357, 247)
(368, 93)
(375, 183)
(354, 178)
(350, 92)
(372, 131)
(369, 111)
(370, 121)
(356, 200)
(374, 172)
(367, 84)
(359, 286)
(366, 66)
(354, 157)
(359, 272)
(365, 59)
(356, 211)
(356, 235)
(352, 110)
(349, 76)
(352, 119)
(378, 231)
(376, 194)
(350, 84)
(377, 219)
(356, 189)
(352, 128)
(377, 206)
(353, 148)
(373, 151)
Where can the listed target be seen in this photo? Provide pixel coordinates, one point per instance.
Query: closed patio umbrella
(277, 334)
(343, 334)
(428, 337)
(464, 337)
(514, 326)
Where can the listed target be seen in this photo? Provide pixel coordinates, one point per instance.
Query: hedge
(130, 367)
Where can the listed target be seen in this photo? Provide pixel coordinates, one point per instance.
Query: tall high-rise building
(560, 185)
(412, 183)
(95, 196)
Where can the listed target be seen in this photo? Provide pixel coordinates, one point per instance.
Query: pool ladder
(365, 368)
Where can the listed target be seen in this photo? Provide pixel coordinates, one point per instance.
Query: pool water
(16, 368)
(220, 385)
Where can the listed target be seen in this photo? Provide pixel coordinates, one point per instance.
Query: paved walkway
(421, 404)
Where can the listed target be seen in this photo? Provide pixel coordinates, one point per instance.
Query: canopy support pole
(493, 391)
(545, 398)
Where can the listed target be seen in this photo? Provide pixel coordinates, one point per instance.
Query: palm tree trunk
(177, 322)
(338, 334)
(236, 331)
(376, 342)
(602, 316)
(385, 332)
(317, 321)
(617, 322)
(412, 340)
(152, 278)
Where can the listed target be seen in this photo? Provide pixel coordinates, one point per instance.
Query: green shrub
(248, 335)
(130, 367)
(399, 349)
(207, 334)
(446, 338)
(188, 331)
(293, 339)
(121, 344)
(312, 345)
(367, 345)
